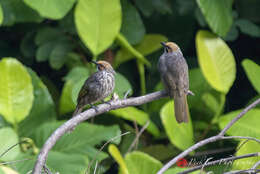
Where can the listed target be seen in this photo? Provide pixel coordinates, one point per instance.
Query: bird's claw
(94, 107)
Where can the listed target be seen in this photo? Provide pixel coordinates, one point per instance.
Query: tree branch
(201, 143)
(102, 108)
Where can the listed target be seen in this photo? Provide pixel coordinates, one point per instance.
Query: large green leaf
(67, 163)
(142, 163)
(73, 78)
(253, 73)
(248, 125)
(218, 14)
(216, 61)
(15, 11)
(43, 109)
(98, 22)
(82, 140)
(16, 90)
(207, 101)
(246, 163)
(53, 9)
(132, 27)
(149, 44)
(8, 138)
(141, 117)
(181, 135)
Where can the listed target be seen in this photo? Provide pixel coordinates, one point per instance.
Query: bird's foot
(94, 107)
(107, 102)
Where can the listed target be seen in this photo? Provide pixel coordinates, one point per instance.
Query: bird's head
(103, 65)
(170, 47)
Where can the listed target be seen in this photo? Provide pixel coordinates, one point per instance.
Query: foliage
(45, 50)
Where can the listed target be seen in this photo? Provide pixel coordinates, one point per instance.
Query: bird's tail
(180, 107)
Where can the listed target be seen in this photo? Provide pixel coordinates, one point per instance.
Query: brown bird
(97, 87)
(174, 75)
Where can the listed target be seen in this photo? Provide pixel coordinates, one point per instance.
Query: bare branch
(102, 108)
(201, 143)
(249, 171)
(252, 105)
(138, 136)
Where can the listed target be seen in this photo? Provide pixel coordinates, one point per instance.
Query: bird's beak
(163, 44)
(92, 61)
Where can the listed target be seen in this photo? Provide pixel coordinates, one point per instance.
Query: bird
(173, 69)
(97, 87)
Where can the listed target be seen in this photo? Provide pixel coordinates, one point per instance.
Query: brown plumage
(174, 75)
(97, 87)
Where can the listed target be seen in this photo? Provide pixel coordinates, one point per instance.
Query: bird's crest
(171, 46)
(103, 65)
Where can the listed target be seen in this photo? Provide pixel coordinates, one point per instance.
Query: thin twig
(138, 136)
(215, 138)
(16, 161)
(256, 164)
(74, 121)
(252, 105)
(220, 161)
(241, 137)
(104, 145)
(7, 150)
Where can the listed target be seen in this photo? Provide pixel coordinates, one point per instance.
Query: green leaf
(246, 163)
(98, 22)
(181, 135)
(207, 101)
(72, 79)
(218, 14)
(141, 117)
(15, 11)
(43, 108)
(81, 140)
(53, 9)
(10, 138)
(141, 163)
(122, 85)
(253, 72)
(248, 27)
(246, 126)
(44, 51)
(149, 44)
(115, 153)
(67, 163)
(132, 27)
(1, 15)
(16, 90)
(58, 55)
(216, 61)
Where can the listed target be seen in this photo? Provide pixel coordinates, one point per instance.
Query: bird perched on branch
(97, 87)
(174, 75)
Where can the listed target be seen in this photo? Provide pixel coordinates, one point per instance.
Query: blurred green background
(45, 49)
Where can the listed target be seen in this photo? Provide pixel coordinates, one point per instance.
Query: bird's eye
(100, 67)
